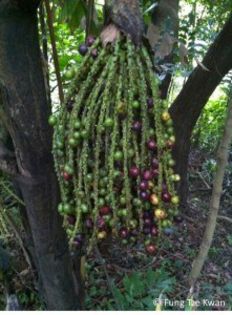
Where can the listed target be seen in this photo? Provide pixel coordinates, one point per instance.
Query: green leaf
(134, 284)
(121, 301)
(148, 303)
(72, 12)
(228, 287)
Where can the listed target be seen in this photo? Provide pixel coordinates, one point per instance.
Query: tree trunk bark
(26, 113)
(126, 15)
(187, 107)
(162, 38)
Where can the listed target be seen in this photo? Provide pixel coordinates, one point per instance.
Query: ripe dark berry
(89, 223)
(79, 238)
(150, 102)
(154, 231)
(151, 144)
(90, 40)
(137, 126)
(105, 210)
(83, 49)
(71, 219)
(151, 249)
(69, 106)
(145, 195)
(155, 163)
(166, 197)
(147, 221)
(147, 175)
(67, 176)
(134, 172)
(144, 185)
(124, 233)
(164, 188)
(94, 53)
(101, 224)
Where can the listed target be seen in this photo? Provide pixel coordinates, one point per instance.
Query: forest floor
(132, 281)
(128, 279)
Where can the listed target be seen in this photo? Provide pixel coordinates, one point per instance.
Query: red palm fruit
(134, 172)
(151, 249)
(105, 210)
(147, 175)
(67, 176)
(144, 185)
(155, 163)
(124, 233)
(154, 231)
(151, 144)
(90, 40)
(166, 197)
(145, 195)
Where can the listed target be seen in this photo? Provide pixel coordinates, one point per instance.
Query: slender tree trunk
(187, 107)
(54, 50)
(222, 160)
(90, 17)
(26, 113)
(44, 45)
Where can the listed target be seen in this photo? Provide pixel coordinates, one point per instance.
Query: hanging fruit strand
(113, 174)
(82, 71)
(135, 125)
(112, 148)
(126, 192)
(105, 104)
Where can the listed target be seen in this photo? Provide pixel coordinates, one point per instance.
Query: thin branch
(222, 161)
(14, 228)
(12, 194)
(90, 17)
(45, 50)
(54, 50)
(222, 217)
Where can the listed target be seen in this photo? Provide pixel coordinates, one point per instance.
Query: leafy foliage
(141, 289)
(138, 290)
(210, 126)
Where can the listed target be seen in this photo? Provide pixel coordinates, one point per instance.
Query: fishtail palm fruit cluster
(112, 146)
